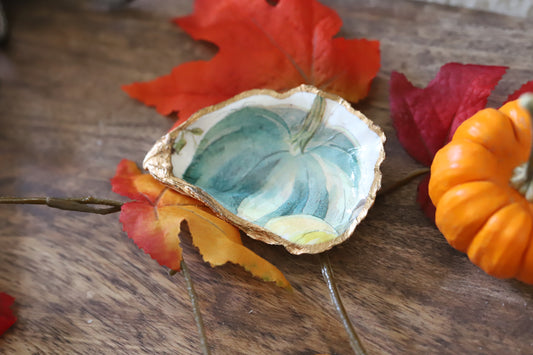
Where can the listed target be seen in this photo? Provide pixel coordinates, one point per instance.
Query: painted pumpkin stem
(522, 179)
(310, 125)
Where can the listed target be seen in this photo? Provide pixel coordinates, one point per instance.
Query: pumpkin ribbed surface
(280, 173)
(478, 211)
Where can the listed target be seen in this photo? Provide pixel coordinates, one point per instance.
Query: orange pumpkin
(481, 186)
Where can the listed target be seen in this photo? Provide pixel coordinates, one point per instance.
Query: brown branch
(195, 308)
(327, 273)
(403, 181)
(84, 204)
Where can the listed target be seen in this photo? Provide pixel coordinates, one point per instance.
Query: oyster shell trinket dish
(300, 169)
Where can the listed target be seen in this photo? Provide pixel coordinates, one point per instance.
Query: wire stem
(403, 181)
(83, 204)
(195, 308)
(327, 273)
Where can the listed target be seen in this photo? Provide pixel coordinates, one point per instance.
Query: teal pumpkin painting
(281, 167)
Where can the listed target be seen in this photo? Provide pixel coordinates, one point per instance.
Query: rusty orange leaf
(153, 220)
(262, 45)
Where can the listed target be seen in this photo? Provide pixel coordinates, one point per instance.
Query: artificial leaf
(266, 46)
(425, 119)
(7, 318)
(527, 87)
(153, 220)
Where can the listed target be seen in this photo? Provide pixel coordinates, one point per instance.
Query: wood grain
(82, 286)
(521, 8)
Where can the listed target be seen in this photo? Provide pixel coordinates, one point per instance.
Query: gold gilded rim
(158, 163)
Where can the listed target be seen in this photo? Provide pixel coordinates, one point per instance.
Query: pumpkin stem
(522, 179)
(310, 125)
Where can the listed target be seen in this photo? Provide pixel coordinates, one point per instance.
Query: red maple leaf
(426, 119)
(527, 87)
(266, 46)
(7, 318)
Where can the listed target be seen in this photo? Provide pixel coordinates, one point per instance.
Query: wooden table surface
(81, 286)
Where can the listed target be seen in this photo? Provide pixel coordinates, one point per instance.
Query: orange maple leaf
(153, 220)
(262, 46)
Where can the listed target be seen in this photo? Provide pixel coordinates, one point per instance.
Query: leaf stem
(195, 308)
(403, 181)
(327, 273)
(87, 204)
